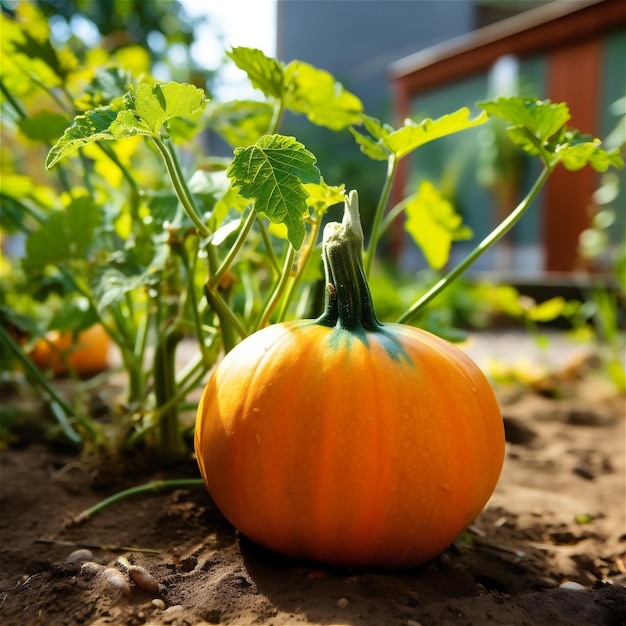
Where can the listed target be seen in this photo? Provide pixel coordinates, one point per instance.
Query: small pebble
(173, 613)
(114, 579)
(91, 568)
(79, 556)
(572, 586)
(122, 562)
(412, 622)
(143, 578)
(157, 603)
(342, 603)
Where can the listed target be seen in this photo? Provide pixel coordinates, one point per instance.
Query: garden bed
(548, 548)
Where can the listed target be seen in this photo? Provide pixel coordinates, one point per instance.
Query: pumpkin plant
(155, 241)
(345, 440)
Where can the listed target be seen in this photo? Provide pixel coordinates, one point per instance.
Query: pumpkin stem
(349, 302)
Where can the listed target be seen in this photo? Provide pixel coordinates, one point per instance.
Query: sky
(250, 23)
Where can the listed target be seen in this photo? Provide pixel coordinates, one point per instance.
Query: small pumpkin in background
(347, 441)
(85, 354)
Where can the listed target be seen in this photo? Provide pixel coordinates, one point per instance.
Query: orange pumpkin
(86, 354)
(346, 441)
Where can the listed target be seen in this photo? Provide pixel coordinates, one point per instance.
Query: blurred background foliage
(160, 29)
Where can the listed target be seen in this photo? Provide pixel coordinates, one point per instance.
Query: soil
(549, 548)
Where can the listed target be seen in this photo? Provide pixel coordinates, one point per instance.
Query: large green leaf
(142, 111)
(65, 236)
(265, 73)
(373, 146)
(273, 173)
(320, 97)
(433, 224)
(413, 135)
(541, 118)
(156, 104)
(539, 128)
(386, 141)
(104, 123)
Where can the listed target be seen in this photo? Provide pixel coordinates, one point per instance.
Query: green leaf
(273, 173)
(265, 73)
(107, 84)
(323, 196)
(548, 310)
(579, 150)
(538, 127)
(240, 122)
(413, 135)
(433, 224)
(65, 236)
(156, 104)
(541, 118)
(74, 314)
(320, 97)
(231, 200)
(370, 147)
(27, 42)
(139, 265)
(104, 123)
(44, 126)
(142, 111)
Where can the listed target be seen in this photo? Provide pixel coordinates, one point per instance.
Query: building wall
(356, 40)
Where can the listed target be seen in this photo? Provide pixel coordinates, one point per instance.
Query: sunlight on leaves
(273, 173)
(104, 123)
(542, 118)
(413, 135)
(548, 310)
(577, 153)
(433, 224)
(538, 127)
(265, 73)
(320, 97)
(385, 141)
(323, 196)
(142, 111)
(156, 104)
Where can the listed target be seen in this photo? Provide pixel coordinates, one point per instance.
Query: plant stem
(16, 104)
(228, 319)
(180, 187)
(349, 304)
(482, 247)
(170, 443)
(277, 115)
(393, 213)
(181, 250)
(232, 253)
(280, 287)
(268, 245)
(181, 392)
(305, 255)
(378, 215)
(154, 486)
